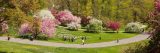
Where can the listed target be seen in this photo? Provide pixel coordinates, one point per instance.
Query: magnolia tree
(113, 25)
(66, 17)
(45, 24)
(94, 26)
(48, 22)
(48, 27)
(24, 28)
(75, 24)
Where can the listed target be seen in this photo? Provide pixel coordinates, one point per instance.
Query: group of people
(73, 39)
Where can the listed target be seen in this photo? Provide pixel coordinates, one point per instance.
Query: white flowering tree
(134, 27)
(45, 14)
(94, 26)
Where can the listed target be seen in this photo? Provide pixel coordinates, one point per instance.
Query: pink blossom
(56, 22)
(77, 19)
(48, 27)
(66, 17)
(157, 5)
(25, 28)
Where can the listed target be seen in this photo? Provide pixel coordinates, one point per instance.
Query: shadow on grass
(128, 32)
(92, 32)
(5, 52)
(110, 32)
(131, 33)
(39, 37)
(121, 32)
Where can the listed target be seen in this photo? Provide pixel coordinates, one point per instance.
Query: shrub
(94, 26)
(74, 26)
(134, 27)
(113, 25)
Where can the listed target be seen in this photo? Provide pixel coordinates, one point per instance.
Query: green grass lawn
(91, 37)
(10, 47)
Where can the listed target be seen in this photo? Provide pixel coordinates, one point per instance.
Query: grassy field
(10, 47)
(91, 37)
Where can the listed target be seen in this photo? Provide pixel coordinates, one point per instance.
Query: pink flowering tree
(113, 25)
(46, 27)
(24, 29)
(157, 5)
(66, 17)
(76, 19)
(43, 23)
(75, 24)
(48, 22)
(49, 27)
